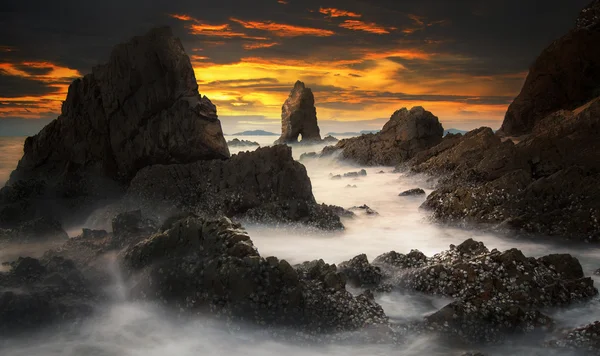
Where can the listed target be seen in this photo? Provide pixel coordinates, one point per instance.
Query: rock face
(266, 184)
(496, 293)
(241, 143)
(403, 136)
(299, 116)
(548, 183)
(214, 265)
(140, 108)
(565, 76)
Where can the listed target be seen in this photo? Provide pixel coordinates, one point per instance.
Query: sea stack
(299, 117)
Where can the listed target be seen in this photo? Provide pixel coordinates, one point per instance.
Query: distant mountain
(352, 133)
(455, 131)
(255, 133)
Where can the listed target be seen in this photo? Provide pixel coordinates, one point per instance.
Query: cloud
(333, 12)
(284, 30)
(258, 45)
(357, 25)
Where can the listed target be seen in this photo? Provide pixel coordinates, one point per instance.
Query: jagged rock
(329, 139)
(131, 224)
(495, 292)
(140, 108)
(533, 185)
(212, 265)
(360, 273)
(412, 192)
(35, 293)
(321, 216)
(402, 137)
(299, 117)
(365, 208)
(361, 173)
(264, 183)
(565, 76)
(241, 143)
(585, 338)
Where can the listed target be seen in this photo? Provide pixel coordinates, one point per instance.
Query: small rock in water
(351, 186)
(360, 173)
(381, 172)
(597, 272)
(337, 176)
(412, 192)
(366, 209)
(308, 155)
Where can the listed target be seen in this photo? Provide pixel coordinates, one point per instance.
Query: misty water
(125, 328)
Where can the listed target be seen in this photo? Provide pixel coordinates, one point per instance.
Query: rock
(478, 321)
(381, 172)
(211, 265)
(412, 192)
(241, 143)
(360, 273)
(585, 338)
(329, 139)
(336, 177)
(299, 117)
(367, 210)
(36, 293)
(361, 173)
(597, 272)
(351, 186)
(139, 109)
(130, 225)
(402, 137)
(264, 183)
(565, 76)
(38, 230)
(308, 155)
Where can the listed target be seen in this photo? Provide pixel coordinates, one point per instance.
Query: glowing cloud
(333, 12)
(257, 45)
(284, 30)
(357, 25)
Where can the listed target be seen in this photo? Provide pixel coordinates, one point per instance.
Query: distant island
(255, 133)
(455, 131)
(363, 132)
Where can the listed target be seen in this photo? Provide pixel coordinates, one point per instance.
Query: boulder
(360, 273)
(329, 139)
(199, 264)
(266, 183)
(412, 192)
(299, 117)
(564, 76)
(139, 109)
(585, 338)
(402, 137)
(364, 208)
(361, 173)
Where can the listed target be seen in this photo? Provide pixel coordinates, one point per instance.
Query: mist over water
(132, 329)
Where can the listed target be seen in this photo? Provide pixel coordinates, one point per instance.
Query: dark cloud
(14, 87)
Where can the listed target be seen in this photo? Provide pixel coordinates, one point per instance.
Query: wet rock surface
(404, 135)
(299, 117)
(266, 183)
(365, 209)
(496, 293)
(200, 264)
(585, 338)
(140, 108)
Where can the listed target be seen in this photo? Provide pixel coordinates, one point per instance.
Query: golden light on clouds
(283, 30)
(257, 45)
(370, 27)
(333, 12)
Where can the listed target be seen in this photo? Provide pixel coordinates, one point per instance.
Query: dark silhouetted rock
(139, 109)
(212, 265)
(412, 192)
(360, 273)
(402, 137)
(360, 173)
(241, 143)
(337, 176)
(365, 208)
(565, 76)
(329, 139)
(299, 116)
(264, 183)
(308, 155)
(36, 293)
(38, 230)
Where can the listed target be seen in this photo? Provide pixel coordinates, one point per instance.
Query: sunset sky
(463, 60)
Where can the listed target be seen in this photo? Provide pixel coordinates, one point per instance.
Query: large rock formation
(195, 264)
(264, 185)
(299, 116)
(565, 76)
(140, 108)
(404, 135)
